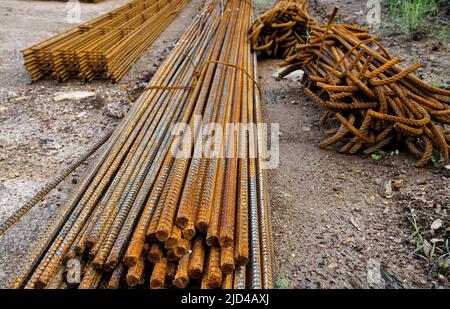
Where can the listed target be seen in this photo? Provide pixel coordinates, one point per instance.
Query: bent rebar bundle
(106, 46)
(143, 216)
(351, 75)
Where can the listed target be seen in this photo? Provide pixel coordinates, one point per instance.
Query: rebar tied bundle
(106, 46)
(350, 74)
(145, 216)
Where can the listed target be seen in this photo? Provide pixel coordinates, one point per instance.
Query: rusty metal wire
(375, 103)
(278, 31)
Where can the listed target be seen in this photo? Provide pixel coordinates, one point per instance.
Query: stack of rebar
(105, 47)
(155, 211)
(349, 73)
(277, 31)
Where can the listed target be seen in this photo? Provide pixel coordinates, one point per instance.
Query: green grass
(377, 155)
(437, 257)
(442, 33)
(414, 16)
(414, 56)
(437, 163)
(282, 284)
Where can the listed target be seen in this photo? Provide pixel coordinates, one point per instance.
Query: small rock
(397, 240)
(442, 278)
(436, 240)
(388, 189)
(55, 146)
(13, 174)
(293, 76)
(116, 112)
(11, 93)
(356, 283)
(348, 240)
(73, 95)
(371, 200)
(378, 181)
(426, 248)
(357, 209)
(397, 184)
(355, 224)
(437, 224)
(333, 265)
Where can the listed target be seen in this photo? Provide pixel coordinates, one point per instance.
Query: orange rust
(197, 259)
(155, 253)
(214, 271)
(181, 279)
(159, 274)
(227, 259)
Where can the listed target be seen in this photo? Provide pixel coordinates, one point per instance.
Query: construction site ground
(333, 223)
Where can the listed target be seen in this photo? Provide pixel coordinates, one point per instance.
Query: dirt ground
(332, 223)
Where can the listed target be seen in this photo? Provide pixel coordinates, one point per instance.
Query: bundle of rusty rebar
(277, 31)
(349, 73)
(105, 47)
(146, 216)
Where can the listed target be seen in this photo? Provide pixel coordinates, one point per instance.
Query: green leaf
(433, 159)
(375, 156)
(282, 284)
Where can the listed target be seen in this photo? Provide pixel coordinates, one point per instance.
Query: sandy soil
(331, 221)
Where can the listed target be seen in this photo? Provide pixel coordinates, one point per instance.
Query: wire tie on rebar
(191, 62)
(169, 87)
(128, 94)
(235, 66)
